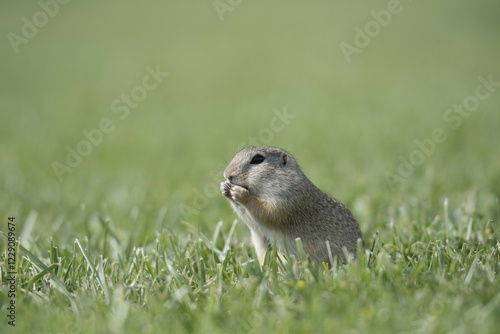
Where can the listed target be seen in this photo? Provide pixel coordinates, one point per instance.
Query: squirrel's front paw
(239, 194)
(225, 188)
(234, 192)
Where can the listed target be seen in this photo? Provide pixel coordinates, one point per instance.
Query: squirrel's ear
(284, 159)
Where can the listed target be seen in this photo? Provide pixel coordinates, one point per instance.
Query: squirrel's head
(266, 172)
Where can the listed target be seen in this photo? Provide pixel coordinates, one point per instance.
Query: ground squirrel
(271, 194)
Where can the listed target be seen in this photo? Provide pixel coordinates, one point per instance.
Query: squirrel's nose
(228, 176)
(229, 173)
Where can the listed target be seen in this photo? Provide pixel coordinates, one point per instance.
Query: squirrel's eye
(257, 159)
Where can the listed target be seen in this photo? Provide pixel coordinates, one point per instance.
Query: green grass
(137, 238)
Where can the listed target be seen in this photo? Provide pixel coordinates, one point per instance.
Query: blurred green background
(352, 120)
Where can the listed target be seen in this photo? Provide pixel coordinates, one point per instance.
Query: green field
(118, 118)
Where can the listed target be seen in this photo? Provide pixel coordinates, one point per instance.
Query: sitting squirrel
(279, 203)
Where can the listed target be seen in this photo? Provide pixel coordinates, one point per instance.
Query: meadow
(118, 118)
